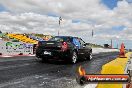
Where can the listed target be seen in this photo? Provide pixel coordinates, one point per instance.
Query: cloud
(31, 16)
(32, 22)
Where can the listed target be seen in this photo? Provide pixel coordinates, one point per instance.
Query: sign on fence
(15, 48)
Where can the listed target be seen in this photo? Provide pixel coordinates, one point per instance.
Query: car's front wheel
(74, 57)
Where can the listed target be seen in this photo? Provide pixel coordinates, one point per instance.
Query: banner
(15, 48)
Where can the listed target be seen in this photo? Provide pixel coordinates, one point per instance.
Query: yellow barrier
(116, 66)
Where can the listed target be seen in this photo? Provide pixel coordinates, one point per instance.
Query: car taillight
(64, 46)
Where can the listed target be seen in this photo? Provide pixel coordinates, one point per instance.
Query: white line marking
(91, 86)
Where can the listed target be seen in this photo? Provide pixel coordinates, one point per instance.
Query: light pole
(60, 19)
(92, 33)
(93, 26)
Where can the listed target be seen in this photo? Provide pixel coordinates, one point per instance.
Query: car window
(81, 41)
(56, 39)
(59, 39)
(76, 42)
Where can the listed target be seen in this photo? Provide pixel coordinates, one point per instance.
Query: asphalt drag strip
(26, 72)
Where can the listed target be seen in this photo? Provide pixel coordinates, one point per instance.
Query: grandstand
(40, 36)
(22, 38)
(25, 38)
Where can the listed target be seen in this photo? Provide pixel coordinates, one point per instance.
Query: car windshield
(59, 39)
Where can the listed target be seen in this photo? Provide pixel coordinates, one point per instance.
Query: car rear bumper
(55, 54)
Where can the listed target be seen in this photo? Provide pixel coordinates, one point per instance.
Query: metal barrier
(15, 48)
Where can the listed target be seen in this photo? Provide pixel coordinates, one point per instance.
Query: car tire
(74, 57)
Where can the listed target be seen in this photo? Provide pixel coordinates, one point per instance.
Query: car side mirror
(77, 45)
(85, 44)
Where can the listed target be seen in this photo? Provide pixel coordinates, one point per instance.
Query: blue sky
(110, 3)
(2, 8)
(118, 28)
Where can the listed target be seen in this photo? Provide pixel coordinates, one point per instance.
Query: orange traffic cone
(122, 51)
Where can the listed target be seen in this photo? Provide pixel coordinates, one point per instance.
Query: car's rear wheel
(74, 57)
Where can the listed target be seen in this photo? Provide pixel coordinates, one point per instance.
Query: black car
(63, 48)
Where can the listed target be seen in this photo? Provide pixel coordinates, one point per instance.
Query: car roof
(66, 36)
(62, 36)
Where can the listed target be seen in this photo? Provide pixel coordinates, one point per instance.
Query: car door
(82, 50)
(76, 42)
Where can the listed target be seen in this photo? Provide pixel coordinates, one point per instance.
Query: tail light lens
(64, 46)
